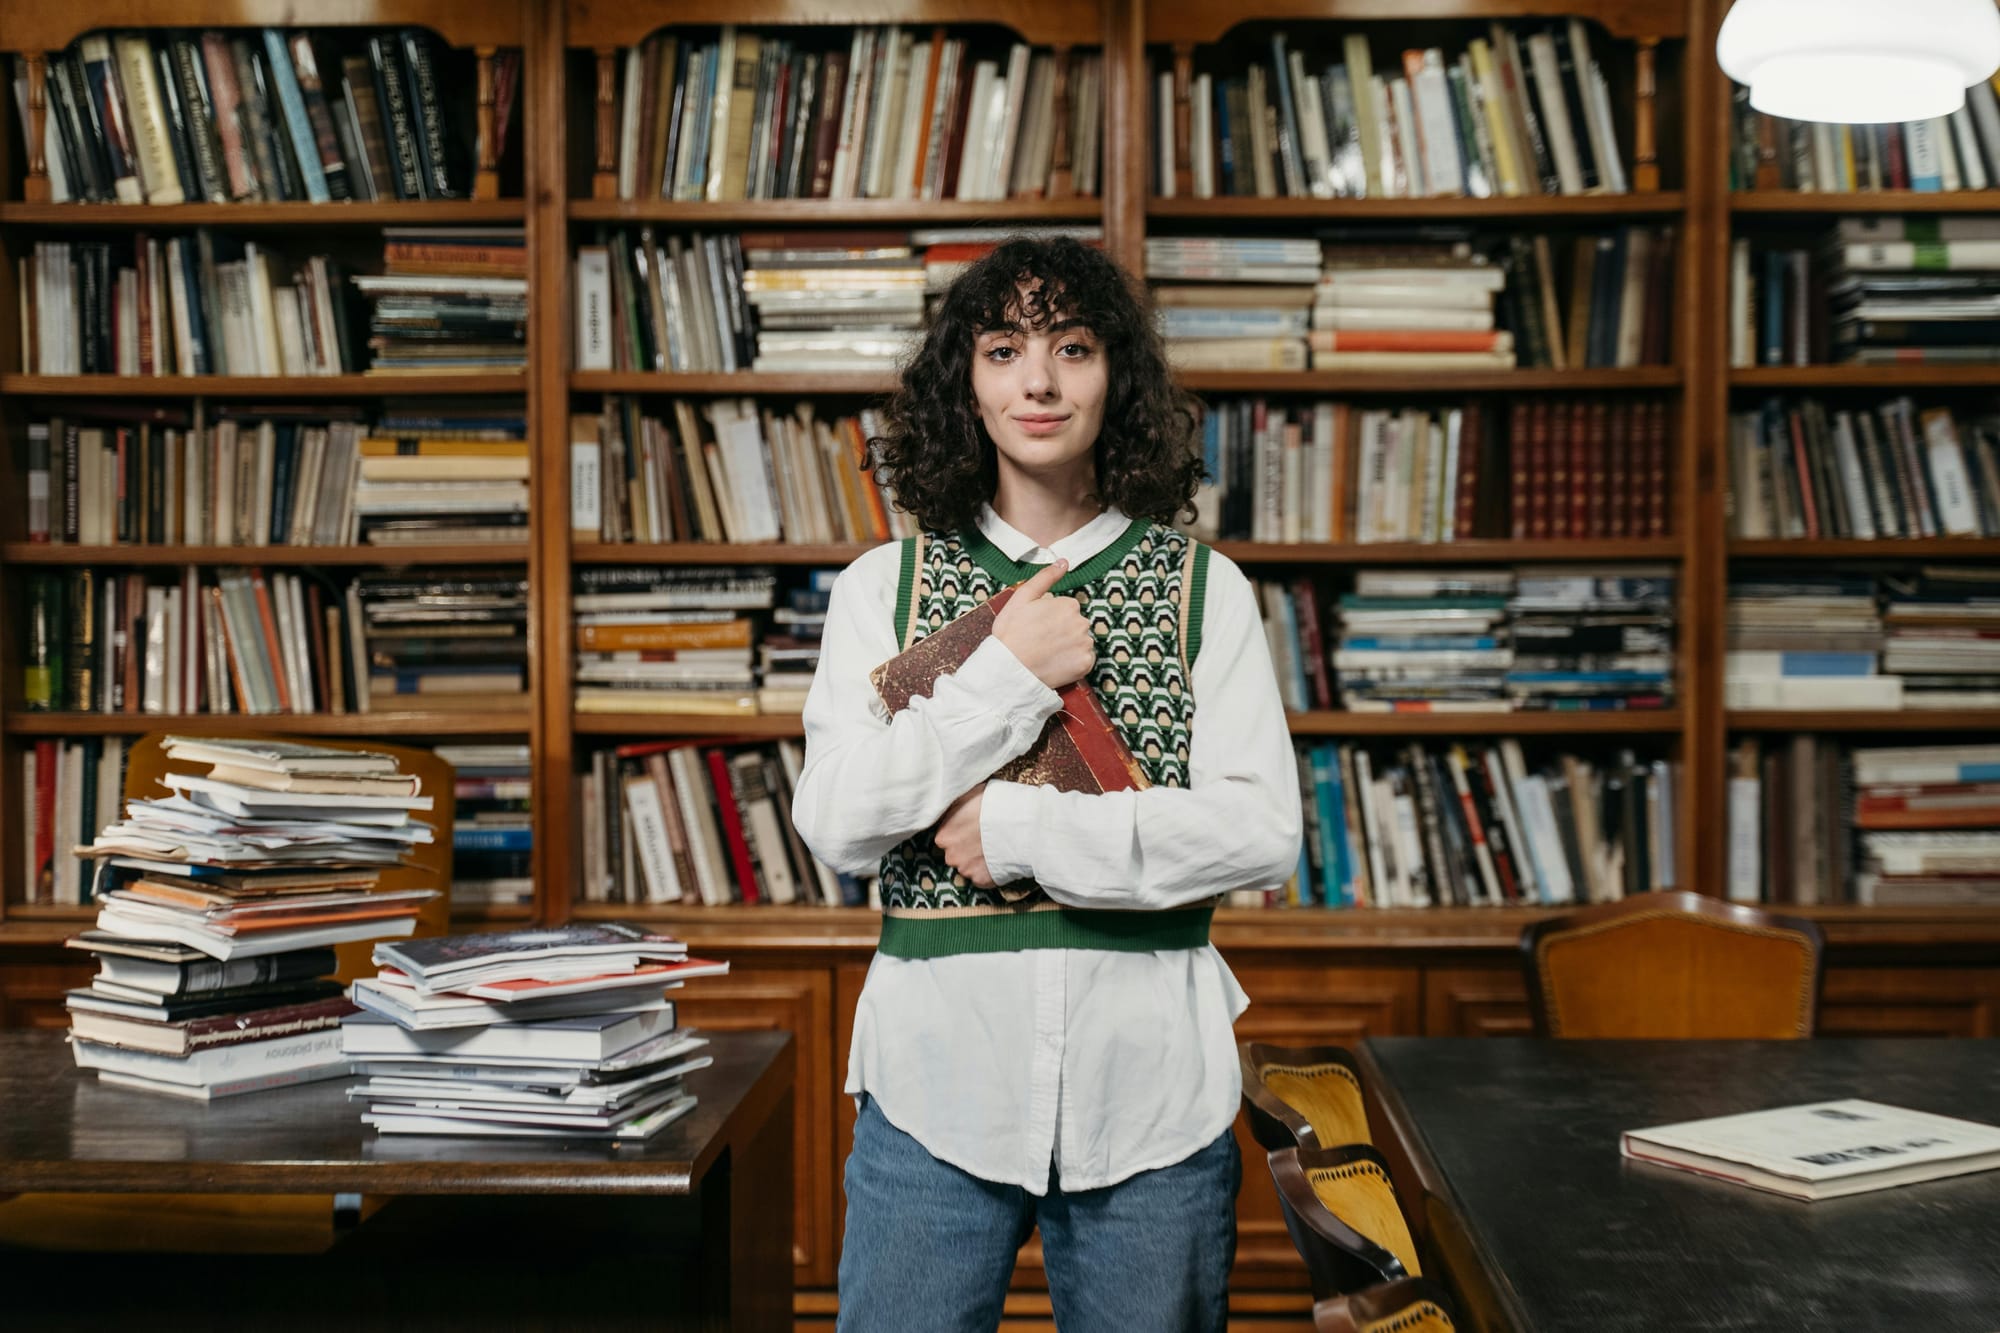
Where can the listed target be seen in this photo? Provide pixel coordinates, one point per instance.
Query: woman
(1044, 1036)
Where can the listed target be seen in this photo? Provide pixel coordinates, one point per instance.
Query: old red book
(1080, 748)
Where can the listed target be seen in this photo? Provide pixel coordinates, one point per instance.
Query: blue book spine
(1225, 146)
(1979, 772)
(465, 839)
(1420, 643)
(1332, 827)
(293, 100)
(1826, 664)
(1772, 308)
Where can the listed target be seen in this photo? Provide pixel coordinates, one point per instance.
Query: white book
(277, 1059)
(884, 112)
(1853, 481)
(1415, 183)
(593, 308)
(1163, 126)
(1010, 115)
(1201, 135)
(1596, 98)
(649, 831)
(1367, 112)
(154, 695)
(1949, 176)
(903, 182)
(1921, 143)
(1432, 96)
(1821, 1150)
(1986, 113)
(1311, 113)
(1971, 165)
(1958, 510)
(1324, 447)
(1556, 129)
(628, 122)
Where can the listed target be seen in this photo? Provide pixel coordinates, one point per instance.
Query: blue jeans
(930, 1248)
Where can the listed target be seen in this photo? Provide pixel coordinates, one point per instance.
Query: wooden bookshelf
(845, 212)
(1523, 208)
(317, 217)
(1866, 377)
(306, 387)
(747, 383)
(1474, 551)
(1420, 384)
(1848, 548)
(453, 722)
(1914, 720)
(1839, 203)
(432, 553)
(1612, 722)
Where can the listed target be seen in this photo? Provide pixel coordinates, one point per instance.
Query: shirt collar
(1076, 548)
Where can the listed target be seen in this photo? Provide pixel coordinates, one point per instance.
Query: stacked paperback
(1424, 641)
(449, 301)
(232, 889)
(531, 1033)
(492, 834)
(443, 471)
(441, 638)
(1805, 641)
(788, 657)
(1592, 641)
(1942, 637)
(1384, 303)
(1929, 819)
(655, 640)
(1254, 313)
(1919, 289)
(833, 307)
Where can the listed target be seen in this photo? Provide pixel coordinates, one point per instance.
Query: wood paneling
(1910, 1002)
(1476, 1002)
(31, 994)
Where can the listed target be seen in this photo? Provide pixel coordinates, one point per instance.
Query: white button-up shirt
(1106, 1063)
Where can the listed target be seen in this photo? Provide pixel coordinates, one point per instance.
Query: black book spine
(276, 138)
(79, 168)
(1572, 94)
(282, 459)
(92, 302)
(400, 131)
(177, 124)
(71, 446)
(1532, 121)
(429, 114)
(1446, 887)
(89, 124)
(156, 484)
(202, 292)
(203, 143)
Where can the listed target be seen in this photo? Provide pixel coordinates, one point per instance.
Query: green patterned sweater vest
(1142, 595)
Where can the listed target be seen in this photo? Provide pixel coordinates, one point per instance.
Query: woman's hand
(1047, 633)
(957, 836)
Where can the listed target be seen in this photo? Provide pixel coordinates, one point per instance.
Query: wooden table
(1508, 1151)
(690, 1229)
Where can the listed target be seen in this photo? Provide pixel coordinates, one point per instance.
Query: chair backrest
(146, 764)
(1341, 1210)
(1673, 965)
(1304, 1096)
(1408, 1305)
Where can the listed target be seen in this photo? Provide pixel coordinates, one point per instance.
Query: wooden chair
(1342, 1212)
(1409, 1305)
(1302, 1096)
(1673, 965)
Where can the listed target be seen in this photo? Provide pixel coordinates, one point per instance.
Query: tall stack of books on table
(447, 638)
(665, 640)
(1433, 641)
(1803, 640)
(492, 833)
(537, 1033)
(213, 944)
(1253, 317)
(1592, 641)
(1942, 636)
(448, 302)
(438, 470)
(1384, 302)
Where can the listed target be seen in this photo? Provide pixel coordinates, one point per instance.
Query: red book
(1310, 641)
(43, 890)
(1659, 473)
(1580, 468)
(1597, 493)
(732, 825)
(1079, 750)
(1538, 470)
(1618, 478)
(1519, 467)
(1553, 426)
(1471, 444)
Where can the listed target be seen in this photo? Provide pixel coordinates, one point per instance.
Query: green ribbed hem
(1065, 928)
(996, 562)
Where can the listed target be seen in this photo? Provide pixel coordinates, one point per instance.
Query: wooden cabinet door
(799, 1000)
(1304, 1006)
(31, 994)
(1910, 1002)
(1476, 1002)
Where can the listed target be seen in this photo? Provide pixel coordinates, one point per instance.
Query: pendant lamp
(1859, 61)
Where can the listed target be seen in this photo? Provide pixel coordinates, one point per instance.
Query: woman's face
(1041, 394)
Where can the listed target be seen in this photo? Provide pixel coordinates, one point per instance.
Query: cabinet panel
(799, 1000)
(1476, 1002)
(1910, 1002)
(31, 994)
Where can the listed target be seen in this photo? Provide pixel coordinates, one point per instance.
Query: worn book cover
(1079, 749)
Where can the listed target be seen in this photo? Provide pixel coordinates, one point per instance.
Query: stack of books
(1254, 318)
(1384, 303)
(1805, 641)
(229, 892)
(449, 301)
(665, 640)
(1942, 632)
(1592, 641)
(535, 1033)
(441, 638)
(788, 657)
(492, 833)
(1929, 818)
(1433, 641)
(443, 471)
(1925, 290)
(854, 303)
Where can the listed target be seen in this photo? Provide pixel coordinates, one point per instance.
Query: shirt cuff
(1006, 830)
(996, 677)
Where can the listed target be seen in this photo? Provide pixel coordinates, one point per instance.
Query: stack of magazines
(219, 904)
(529, 1033)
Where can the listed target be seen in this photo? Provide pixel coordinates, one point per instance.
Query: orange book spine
(269, 622)
(644, 638)
(1405, 340)
(878, 512)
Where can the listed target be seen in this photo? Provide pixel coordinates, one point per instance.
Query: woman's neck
(1043, 512)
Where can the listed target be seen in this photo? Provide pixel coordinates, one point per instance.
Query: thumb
(1044, 579)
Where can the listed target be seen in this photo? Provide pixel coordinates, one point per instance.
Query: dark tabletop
(60, 1129)
(1523, 1136)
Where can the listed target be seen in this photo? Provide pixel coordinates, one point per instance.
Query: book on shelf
(1821, 1150)
(1522, 110)
(448, 301)
(180, 116)
(69, 788)
(1960, 151)
(872, 111)
(492, 861)
(665, 640)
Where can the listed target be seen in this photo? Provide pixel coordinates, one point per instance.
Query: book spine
(405, 154)
(429, 110)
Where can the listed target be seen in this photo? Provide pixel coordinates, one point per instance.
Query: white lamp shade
(1859, 61)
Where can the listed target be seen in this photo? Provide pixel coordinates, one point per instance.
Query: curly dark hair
(934, 450)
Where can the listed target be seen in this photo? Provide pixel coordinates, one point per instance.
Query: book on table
(1821, 1150)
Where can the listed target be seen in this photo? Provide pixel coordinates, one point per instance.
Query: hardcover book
(1079, 749)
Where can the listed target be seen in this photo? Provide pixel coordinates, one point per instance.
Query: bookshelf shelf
(404, 722)
(1833, 719)
(441, 212)
(714, 553)
(753, 726)
(1969, 548)
(1835, 203)
(1662, 721)
(1657, 203)
(480, 913)
(1865, 377)
(745, 382)
(260, 386)
(440, 553)
(838, 212)
(1484, 381)
(1448, 553)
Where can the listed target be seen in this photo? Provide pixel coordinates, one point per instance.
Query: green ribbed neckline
(1009, 571)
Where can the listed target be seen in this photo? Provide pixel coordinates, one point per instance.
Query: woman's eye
(1000, 353)
(1081, 349)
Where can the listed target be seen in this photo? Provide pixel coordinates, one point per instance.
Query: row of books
(1522, 111)
(69, 788)
(1922, 640)
(695, 641)
(1474, 641)
(1370, 298)
(492, 831)
(270, 475)
(244, 641)
(1332, 471)
(726, 471)
(1956, 152)
(1813, 819)
(1801, 469)
(872, 112)
(448, 302)
(171, 117)
(1475, 825)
